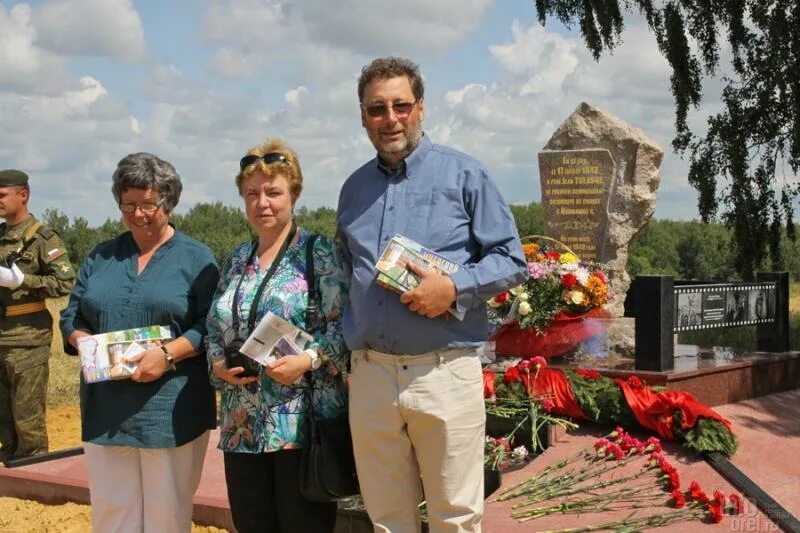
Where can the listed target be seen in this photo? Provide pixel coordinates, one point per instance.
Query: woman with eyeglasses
(145, 438)
(263, 415)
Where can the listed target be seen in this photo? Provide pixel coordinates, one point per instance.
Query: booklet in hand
(106, 356)
(273, 338)
(399, 252)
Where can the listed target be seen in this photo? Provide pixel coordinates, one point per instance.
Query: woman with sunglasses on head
(145, 438)
(263, 415)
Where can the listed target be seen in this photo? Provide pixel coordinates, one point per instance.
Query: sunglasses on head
(401, 109)
(270, 158)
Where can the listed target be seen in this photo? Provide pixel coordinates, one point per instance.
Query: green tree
(745, 166)
(219, 226)
(529, 218)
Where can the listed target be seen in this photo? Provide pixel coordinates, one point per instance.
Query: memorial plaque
(575, 195)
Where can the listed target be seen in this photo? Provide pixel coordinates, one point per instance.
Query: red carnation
(488, 384)
(715, 512)
(588, 374)
(654, 443)
(511, 374)
(502, 297)
(539, 361)
(678, 499)
(696, 493)
(548, 405)
(719, 497)
(553, 255)
(737, 505)
(569, 280)
(674, 481)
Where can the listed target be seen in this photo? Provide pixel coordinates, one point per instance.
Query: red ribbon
(553, 385)
(656, 410)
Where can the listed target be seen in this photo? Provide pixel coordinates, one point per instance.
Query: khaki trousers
(419, 419)
(144, 490)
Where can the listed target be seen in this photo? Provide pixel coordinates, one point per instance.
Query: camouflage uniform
(25, 338)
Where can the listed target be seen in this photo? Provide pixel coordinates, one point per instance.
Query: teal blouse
(174, 289)
(265, 416)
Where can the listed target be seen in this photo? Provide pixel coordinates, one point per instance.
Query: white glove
(11, 277)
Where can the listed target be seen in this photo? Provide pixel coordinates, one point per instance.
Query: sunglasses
(270, 158)
(401, 109)
(148, 208)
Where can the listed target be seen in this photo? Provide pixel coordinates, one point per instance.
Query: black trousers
(264, 494)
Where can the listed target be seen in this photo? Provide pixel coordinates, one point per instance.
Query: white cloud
(23, 66)
(376, 28)
(106, 28)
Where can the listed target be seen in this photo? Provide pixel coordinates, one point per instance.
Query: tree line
(685, 250)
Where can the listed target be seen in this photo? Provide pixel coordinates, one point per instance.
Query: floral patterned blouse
(265, 416)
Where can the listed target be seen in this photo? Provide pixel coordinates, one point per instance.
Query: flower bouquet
(547, 315)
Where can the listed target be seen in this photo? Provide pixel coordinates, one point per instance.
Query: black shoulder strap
(313, 308)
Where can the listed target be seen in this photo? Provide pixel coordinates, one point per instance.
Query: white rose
(516, 291)
(576, 297)
(524, 308)
(523, 296)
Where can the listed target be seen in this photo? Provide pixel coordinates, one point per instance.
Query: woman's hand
(75, 335)
(290, 368)
(151, 365)
(231, 375)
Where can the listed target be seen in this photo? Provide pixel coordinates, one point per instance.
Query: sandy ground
(27, 516)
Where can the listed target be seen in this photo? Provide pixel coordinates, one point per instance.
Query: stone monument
(599, 177)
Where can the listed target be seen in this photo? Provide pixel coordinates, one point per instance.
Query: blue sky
(85, 82)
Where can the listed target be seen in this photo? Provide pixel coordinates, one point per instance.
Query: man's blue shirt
(446, 201)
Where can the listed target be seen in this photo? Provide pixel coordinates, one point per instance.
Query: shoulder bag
(327, 466)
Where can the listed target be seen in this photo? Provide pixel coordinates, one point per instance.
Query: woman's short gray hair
(146, 171)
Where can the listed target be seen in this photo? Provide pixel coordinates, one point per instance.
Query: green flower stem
(632, 523)
(567, 507)
(558, 493)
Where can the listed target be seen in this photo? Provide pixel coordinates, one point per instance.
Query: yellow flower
(568, 258)
(516, 291)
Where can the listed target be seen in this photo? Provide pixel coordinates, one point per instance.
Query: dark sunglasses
(401, 109)
(270, 158)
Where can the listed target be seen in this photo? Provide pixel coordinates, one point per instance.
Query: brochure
(106, 356)
(399, 252)
(273, 338)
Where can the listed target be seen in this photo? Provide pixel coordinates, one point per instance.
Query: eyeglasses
(270, 158)
(148, 208)
(401, 109)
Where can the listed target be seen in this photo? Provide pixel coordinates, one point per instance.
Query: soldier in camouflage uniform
(33, 266)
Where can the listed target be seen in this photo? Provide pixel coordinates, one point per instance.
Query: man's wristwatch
(316, 360)
(168, 357)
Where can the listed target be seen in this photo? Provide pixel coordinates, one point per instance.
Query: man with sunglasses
(33, 266)
(416, 392)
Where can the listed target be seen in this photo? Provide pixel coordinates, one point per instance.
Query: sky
(198, 82)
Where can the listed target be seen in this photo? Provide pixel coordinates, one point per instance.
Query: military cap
(10, 178)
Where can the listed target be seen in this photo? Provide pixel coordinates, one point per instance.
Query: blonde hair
(289, 169)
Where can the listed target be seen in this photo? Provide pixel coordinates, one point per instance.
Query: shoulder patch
(55, 253)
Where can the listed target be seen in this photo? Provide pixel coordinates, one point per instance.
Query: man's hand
(11, 277)
(434, 295)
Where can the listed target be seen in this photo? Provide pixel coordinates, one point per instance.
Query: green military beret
(10, 178)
